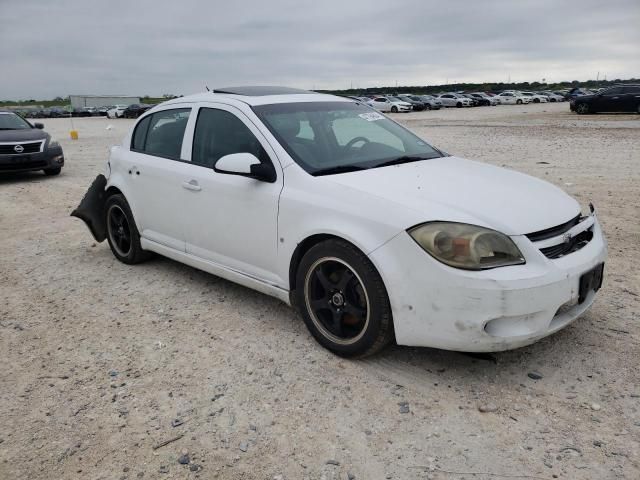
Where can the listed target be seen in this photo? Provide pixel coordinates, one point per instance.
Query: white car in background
(389, 104)
(536, 97)
(454, 100)
(512, 98)
(367, 230)
(554, 97)
(117, 111)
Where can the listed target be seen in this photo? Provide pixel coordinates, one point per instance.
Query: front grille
(23, 165)
(573, 245)
(553, 231)
(28, 147)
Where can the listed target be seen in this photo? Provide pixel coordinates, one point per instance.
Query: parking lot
(104, 362)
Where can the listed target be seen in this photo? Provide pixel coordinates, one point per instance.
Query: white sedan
(512, 98)
(455, 100)
(389, 104)
(536, 97)
(117, 111)
(370, 232)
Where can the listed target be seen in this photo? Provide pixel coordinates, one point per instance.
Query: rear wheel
(582, 108)
(122, 232)
(343, 300)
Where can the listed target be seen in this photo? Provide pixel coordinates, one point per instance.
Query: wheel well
(112, 191)
(302, 248)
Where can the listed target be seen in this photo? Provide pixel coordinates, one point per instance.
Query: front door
(231, 220)
(610, 100)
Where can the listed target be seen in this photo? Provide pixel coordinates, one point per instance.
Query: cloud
(150, 47)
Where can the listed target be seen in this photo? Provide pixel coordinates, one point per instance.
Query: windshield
(335, 137)
(11, 121)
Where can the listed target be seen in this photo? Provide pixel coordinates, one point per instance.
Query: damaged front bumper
(434, 305)
(91, 208)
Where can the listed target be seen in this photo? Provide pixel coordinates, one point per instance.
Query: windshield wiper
(400, 160)
(339, 169)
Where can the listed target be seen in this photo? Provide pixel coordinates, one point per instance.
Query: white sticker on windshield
(371, 116)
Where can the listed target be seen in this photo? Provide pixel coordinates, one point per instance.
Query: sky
(52, 48)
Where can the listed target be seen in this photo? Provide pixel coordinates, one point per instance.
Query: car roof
(259, 95)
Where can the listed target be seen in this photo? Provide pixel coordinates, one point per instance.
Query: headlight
(466, 246)
(53, 143)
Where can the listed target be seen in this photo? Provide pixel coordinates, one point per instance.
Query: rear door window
(161, 134)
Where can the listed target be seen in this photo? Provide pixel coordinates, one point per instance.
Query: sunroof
(255, 91)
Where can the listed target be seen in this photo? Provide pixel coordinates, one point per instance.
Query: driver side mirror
(39, 126)
(246, 165)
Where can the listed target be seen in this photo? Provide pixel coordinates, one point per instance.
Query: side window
(614, 91)
(140, 134)
(165, 133)
(219, 133)
(161, 134)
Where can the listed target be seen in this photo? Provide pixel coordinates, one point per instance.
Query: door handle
(191, 185)
(615, 98)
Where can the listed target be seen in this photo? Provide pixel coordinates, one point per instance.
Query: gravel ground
(102, 362)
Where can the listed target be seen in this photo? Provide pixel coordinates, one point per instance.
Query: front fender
(91, 208)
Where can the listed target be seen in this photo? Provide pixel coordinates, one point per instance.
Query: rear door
(155, 169)
(231, 220)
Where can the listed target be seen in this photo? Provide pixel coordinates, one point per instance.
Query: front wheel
(582, 108)
(459, 105)
(394, 109)
(343, 300)
(122, 232)
(519, 102)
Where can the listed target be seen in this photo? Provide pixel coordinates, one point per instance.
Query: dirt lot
(101, 361)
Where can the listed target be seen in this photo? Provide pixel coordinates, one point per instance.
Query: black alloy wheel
(122, 233)
(343, 300)
(582, 108)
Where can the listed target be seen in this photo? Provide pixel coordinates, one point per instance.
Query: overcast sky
(61, 47)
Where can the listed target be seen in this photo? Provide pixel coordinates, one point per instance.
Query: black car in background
(482, 99)
(135, 110)
(25, 147)
(619, 98)
(416, 104)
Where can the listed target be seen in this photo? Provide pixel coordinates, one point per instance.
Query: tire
(459, 104)
(356, 319)
(518, 102)
(122, 233)
(582, 108)
(536, 100)
(53, 171)
(394, 109)
(427, 107)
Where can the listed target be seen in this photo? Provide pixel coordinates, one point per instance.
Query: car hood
(22, 135)
(455, 189)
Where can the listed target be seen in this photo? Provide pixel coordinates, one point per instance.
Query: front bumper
(438, 306)
(48, 159)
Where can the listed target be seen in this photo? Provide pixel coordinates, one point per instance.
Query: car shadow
(421, 367)
(8, 178)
